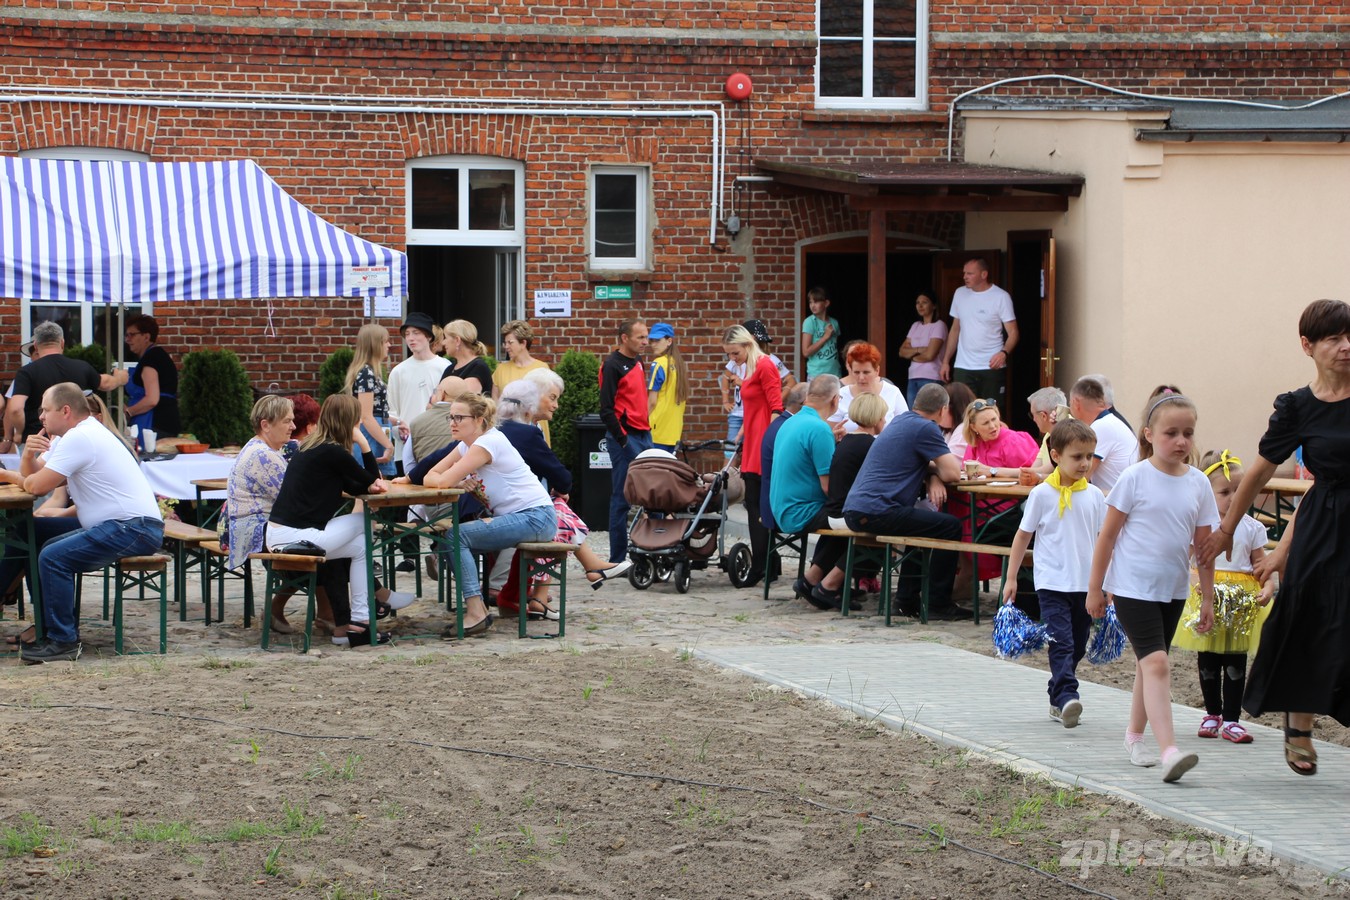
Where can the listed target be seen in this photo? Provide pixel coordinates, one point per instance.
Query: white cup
(148, 440)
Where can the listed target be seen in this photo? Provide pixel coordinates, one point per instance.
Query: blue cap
(660, 330)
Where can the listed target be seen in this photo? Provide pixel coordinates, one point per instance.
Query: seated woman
(864, 368)
(486, 464)
(312, 492)
(526, 404)
(1001, 452)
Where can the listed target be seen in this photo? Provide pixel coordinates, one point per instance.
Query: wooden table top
(1001, 488)
(409, 495)
(14, 497)
(1288, 485)
(212, 484)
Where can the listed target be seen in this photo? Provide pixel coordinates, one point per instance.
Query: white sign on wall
(553, 304)
(385, 307)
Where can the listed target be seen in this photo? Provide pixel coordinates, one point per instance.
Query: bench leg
(164, 611)
(886, 582)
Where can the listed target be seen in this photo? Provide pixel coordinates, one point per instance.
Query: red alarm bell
(739, 86)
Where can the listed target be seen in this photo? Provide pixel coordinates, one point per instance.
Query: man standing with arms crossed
(623, 409)
(981, 313)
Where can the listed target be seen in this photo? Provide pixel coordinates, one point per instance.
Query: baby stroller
(679, 522)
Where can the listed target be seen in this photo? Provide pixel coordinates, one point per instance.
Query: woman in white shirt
(485, 464)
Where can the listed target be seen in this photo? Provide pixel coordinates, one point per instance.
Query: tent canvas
(119, 232)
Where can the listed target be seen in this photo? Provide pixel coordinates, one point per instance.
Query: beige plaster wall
(1180, 263)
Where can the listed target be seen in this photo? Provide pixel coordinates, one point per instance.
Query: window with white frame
(466, 201)
(618, 228)
(872, 54)
(83, 323)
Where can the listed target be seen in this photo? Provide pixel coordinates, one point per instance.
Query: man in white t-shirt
(984, 332)
(117, 510)
(1117, 446)
(411, 384)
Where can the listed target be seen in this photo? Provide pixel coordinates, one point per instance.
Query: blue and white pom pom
(1108, 639)
(1015, 633)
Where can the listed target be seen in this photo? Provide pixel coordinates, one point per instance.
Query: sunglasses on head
(978, 405)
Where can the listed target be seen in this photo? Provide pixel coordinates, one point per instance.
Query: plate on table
(999, 483)
(158, 456)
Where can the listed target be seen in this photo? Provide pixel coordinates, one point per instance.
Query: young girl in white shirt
(1157, 511)
(1222, 653)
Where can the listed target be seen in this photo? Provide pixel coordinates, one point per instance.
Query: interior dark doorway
(1027, 282)
(455, 283)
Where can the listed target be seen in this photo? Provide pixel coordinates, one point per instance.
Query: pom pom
(1015, 634)
(1108, 639)
(1235, 610)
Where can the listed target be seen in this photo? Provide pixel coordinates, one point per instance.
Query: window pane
(67, 315)
(435, 199)
(492, 199)
(616, 216)
(841, 18)
(893, 18)
(893, 69)
(841, 68)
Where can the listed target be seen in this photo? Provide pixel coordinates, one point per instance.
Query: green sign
(614, 292)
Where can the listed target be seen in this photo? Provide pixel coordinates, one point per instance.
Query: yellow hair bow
(1226, 460)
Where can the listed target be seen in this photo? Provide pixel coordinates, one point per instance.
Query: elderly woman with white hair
(1048, 406)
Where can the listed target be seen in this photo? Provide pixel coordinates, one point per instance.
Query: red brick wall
(349, 167)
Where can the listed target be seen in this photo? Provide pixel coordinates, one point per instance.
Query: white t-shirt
(105, 483)
(895, 405)
(981, 315)
(1063, 553)
(507, 484)
(410, 386)
(1152, 556)
(1250, 535)
(739, 371)
(1117, 448)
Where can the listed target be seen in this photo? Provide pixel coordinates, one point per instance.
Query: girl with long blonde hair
(365, 381)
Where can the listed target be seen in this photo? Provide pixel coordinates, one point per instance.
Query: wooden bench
(539, 558)
(185, 541)
(297, 573)
(138, 572)
(926, 546)
(862, 547)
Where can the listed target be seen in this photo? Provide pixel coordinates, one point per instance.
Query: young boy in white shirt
(1064, 514)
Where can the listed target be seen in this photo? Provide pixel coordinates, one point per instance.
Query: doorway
(478, 284)
(1030, 280)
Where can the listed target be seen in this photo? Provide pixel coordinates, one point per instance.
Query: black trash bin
(591, 478)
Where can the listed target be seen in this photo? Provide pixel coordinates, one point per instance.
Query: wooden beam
(960, 203)
(876, 282)
(829, 185)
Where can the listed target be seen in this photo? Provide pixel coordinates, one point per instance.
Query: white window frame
(465, 236)
(920, 99)
(88, 311)
(641, 214)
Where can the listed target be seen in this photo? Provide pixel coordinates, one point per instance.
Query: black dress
(474, 368)
(1303, 663)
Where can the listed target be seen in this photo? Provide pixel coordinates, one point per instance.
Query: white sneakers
(400, 599)
(1140, 755)
(1071, 713)
(1177, 763)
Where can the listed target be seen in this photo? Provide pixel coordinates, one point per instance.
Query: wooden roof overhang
(929, 186)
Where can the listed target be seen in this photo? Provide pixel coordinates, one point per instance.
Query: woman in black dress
(1302, 667)
(152, 392)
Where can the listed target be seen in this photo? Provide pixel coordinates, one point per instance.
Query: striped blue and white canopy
(111, 232)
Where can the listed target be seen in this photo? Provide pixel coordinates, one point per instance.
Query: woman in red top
(761, 399)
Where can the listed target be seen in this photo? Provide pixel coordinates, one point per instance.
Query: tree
(215, 397)
(580, 373)
(333, 372)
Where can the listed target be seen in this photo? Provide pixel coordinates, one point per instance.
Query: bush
(94, 354)
(580, 372)
(215, 397)
(333, 372)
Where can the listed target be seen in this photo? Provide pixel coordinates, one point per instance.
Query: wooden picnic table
(1286, 492)
(16, 530)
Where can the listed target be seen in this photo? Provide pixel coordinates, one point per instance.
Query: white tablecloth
(170, 477)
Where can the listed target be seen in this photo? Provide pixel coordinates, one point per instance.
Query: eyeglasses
(456, 418)
(132, 334)
(978, 405)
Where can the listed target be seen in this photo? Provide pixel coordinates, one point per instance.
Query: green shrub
(333, 372)
(94, 354)
(215, 397)
(580, 372)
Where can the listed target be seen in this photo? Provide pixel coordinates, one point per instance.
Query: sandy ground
(607, 764)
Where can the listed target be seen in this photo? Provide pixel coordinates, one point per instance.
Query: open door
(947, 274)
(1031, 281)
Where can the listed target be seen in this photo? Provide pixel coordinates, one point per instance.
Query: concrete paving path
(1000, 710)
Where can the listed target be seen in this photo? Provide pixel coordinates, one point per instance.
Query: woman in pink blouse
(1001, 452)
(923, 347)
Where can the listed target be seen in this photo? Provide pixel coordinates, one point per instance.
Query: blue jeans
(538, 523)
(734, 422)
(912, 389)
(387, 469)
(87, 550)
(669, 448)
(1067, 621)
(45, 528)
(619, 458)
(913, 521)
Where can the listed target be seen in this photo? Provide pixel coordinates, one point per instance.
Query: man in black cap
(411, 384)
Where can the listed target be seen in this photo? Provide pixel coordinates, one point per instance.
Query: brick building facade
(334, 99)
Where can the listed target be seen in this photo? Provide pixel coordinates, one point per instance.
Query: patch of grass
(937, 833)
(245, 831)
(684, 654)
(427, 659)
(296, 820)
(701, 813)
(213, 662)
(106, 829)
(272, 864)
(254, 751)
(29, 835)
(392, 809)
(586, 691)
(246, 705)
(1025, 817)
(592, 627)
(324, 768)
(164, 833)
(742, 617)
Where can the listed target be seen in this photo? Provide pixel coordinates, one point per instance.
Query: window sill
(608, 276)
(873, 116)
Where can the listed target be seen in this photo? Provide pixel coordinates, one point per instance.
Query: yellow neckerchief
(1226, 461)
(1065, 493)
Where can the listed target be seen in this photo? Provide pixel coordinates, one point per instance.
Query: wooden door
(947, 274)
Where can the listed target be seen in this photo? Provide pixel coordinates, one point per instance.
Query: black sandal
(18, 639)
(360, 638)
(1294, 754)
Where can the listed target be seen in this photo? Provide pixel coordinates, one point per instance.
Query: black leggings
(1149, 624)
(1223, 677)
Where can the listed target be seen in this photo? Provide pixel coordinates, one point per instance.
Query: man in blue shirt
(891, 481)
(803, 452)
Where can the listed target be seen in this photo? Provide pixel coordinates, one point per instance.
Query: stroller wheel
(682, 576)
(738, 565)
(640, 575)
(662, 569)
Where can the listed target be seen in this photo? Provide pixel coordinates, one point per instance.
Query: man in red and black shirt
(623, 408)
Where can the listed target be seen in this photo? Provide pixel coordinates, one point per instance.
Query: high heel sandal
(615, 571)
(1294, 754)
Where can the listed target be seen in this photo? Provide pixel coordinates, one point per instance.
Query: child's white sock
(1133, 737)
